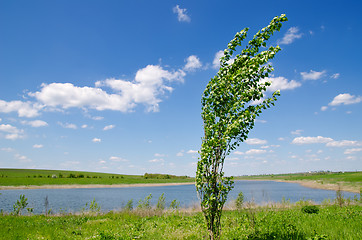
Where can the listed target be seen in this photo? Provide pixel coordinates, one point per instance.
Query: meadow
(282, 221)
(28, 177)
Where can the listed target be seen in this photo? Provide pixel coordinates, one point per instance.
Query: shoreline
(313, 184)
(79, 186)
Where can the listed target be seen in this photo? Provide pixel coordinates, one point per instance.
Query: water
(74, 200)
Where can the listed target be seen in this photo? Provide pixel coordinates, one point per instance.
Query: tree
(230, 105)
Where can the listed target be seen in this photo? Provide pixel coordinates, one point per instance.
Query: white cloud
(159, 155)
(13, 132)
(38, 146)
(35, 123)
(335, 76)
(180, 154)
(117, 159)
(280, 83)
(255, 141)
(147, 88)
(181, 14)
(312, 75)
(96, 140)
(291, 35)
(68, 125)
(344, 143)
(324, 108)
(24, 109)
(216, 61)
(8, 149)
(156, 160)
(311, 140)
(84, 126)
(109, 127)
(352, 150)
(345, 99)
(22, 158)
(192, 63)
(297, 132)
(192, 151)
(255, 151)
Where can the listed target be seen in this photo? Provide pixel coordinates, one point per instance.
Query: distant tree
(230, 104)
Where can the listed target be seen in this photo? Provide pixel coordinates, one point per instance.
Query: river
(74, 200)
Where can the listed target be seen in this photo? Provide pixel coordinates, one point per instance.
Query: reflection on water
(73, 200)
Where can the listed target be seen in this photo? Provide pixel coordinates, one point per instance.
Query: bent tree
(230, 104)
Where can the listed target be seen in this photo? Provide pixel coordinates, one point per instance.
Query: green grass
(20, 177)
(331, 222)
(351, 179)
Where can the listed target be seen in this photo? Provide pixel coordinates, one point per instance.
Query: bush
(239, 201)
(310, 209)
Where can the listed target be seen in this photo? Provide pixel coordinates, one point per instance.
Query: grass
(21, 177)
(331, 222)
(348, 179)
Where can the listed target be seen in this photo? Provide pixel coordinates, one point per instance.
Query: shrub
(310, 209)
(239, 201)
(161, 202)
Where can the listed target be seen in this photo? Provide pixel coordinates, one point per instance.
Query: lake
(74, 200)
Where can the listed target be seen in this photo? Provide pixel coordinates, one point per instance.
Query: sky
(116, 86)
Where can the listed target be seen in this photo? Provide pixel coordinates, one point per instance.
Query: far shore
(313, 184)
(74, 186)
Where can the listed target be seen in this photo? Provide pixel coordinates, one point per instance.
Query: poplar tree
(230, 104)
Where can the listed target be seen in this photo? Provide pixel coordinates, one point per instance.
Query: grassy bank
(345, 180)
(27, 177)
(331, 222)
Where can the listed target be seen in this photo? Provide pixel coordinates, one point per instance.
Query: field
(344, 180)
(283, 222)
(27, 177)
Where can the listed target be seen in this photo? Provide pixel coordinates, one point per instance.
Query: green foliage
(20, 204)
(239, 201)
(310, 209)
(161, 203)
(129, 205)
(270, 223)
(92, 207)
(145, 204)
(174, 204)
(229, 110)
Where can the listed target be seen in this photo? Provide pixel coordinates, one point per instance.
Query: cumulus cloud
(192, 151)
(117, 159)
(22, 158)
(181, 14)
(109, 127)
(24, 109)
(297, 132)
(345, 99)
(352, 150)
(13, 133)
(291, 35)
(68, 125)
(281, 83)
(35, 123)
(324, 108)
(255, 151)
(312, 75)
(335, 76)
(147, 88)
(192, 63)
(344, 143)
(156, 160)
(38, 146)
(96, 140)
(311, 140)
(255, 141)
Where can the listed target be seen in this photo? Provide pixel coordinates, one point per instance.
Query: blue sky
(115, 86)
